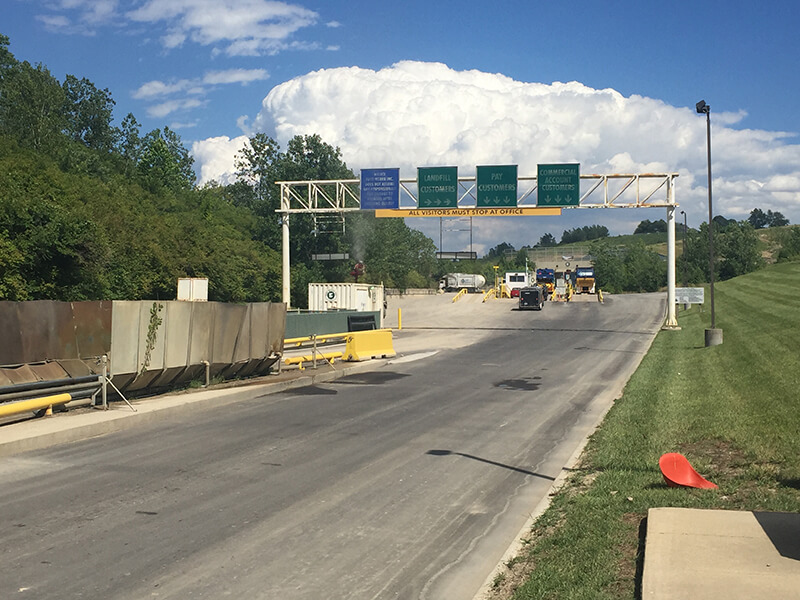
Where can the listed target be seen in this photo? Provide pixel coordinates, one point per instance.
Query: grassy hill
(731, 409)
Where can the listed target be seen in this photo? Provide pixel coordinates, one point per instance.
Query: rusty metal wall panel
(47, 330)
(124, 353)
(42, 330)
(21, 374)
(235, 339)
(49, 371)
(11, 348)
(92, 322)
(81, 368)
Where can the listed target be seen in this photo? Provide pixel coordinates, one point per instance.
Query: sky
(611, 85)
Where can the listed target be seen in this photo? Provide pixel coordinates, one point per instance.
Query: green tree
(307, 157)
(12, 281)
(89, 113)
(165, 162)
(758, 218)
(397, 255)
(776, 219)
(722, 223)
(645, 270)
(31, 106)
(582, 234)
(547, 240)
(735, 251)
(738, 250)
(500, 251)
(609, 267)
(261, 164)
(256, 166)
(648, 226)
(790, 244)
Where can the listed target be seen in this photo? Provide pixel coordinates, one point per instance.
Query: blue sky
(204, 67)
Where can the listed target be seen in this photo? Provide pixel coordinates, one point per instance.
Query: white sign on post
(689, 295)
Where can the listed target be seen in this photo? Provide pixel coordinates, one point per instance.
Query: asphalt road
(405, 482)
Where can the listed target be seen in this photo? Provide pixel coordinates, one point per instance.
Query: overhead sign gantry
(495, 191)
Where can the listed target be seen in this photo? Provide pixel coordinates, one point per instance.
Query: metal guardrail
(33, 396)
(360, 345)
(44, 395)
(460, 293)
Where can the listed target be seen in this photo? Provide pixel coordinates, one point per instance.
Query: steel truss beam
(618, 190)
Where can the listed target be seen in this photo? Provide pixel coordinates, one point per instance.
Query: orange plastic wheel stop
(678, 472)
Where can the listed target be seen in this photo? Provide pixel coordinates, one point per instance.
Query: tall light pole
(713, 335)
(685, 228)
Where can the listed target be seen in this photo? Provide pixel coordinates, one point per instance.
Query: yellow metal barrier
(364, 345)
(299, 341)
(460, 293)
(600, 295)
(492, 293)
(329, 357)
(34, 404)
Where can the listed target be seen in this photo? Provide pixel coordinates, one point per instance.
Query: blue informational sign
(380, 189)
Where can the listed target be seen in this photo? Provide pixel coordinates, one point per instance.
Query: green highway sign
(497, 185)
(437, 187)
(558, 185)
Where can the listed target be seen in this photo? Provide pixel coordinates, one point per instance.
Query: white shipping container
(345, 296)
(193, 289)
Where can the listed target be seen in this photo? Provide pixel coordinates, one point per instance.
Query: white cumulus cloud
(170, 106)
(215, 157)
(416, 114)
(243, 76)
(246, 27)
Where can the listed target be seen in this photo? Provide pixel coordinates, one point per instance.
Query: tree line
(636, 268)
(91, 210)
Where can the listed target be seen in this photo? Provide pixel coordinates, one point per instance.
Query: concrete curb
(40, 433)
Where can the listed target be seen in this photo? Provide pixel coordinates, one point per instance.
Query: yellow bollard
(399, 318)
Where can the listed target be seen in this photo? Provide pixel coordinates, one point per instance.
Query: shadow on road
(489, 462)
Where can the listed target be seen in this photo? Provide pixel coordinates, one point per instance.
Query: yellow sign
(509, 211)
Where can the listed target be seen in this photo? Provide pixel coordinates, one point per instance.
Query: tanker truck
(452, 282)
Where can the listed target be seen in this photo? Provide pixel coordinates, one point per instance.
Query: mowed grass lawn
(733, 410)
